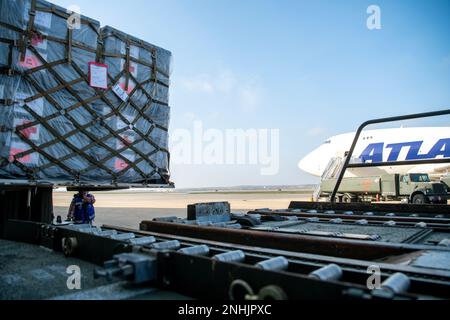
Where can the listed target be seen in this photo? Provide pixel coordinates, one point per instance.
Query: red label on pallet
(28, 159)
(31, 133)
(120, 165)
(131, 86)
(38, 41)
(30, 61)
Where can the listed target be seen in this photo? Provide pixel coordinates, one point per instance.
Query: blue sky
(309, 68)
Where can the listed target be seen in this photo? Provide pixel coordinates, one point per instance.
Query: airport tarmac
(128, 209)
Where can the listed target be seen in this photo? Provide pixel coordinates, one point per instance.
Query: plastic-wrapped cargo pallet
(70, 112)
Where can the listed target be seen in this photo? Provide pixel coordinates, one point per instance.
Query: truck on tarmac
(414, 188)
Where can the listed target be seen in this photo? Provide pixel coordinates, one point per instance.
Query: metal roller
(142, 241)
(330, 272)
(189, 222)
(93, 230)
(166, 245)
(397, 283)
(390, 214)
(232, 256)
(105, 233)
(274, 264)
(122, 236)
(421, 225)
(256, 216)
(201, 250)
(217, 224)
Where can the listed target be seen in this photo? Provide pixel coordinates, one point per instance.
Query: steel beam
(353, 249)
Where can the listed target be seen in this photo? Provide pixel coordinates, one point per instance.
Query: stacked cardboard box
(79, 104)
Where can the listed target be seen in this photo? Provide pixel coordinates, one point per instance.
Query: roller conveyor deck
(184, 257)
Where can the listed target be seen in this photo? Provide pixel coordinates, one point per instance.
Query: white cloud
(198, 83)
(316, 131)
(191, 116)
(224, 84)
(249, 98)
(226, 81)
(223, 81)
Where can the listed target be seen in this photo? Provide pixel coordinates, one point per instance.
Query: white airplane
(384, 145)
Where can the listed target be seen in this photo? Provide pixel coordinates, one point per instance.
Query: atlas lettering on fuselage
(374, 151)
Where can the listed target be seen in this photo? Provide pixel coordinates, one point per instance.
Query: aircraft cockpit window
(327, 142)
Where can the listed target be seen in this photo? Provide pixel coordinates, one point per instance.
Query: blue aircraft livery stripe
(374, 151)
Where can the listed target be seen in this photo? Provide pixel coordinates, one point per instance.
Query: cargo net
(56, 124)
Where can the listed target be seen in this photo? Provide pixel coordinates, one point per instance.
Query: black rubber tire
(419, 199)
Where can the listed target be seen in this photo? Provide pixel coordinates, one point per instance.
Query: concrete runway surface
(128, 209)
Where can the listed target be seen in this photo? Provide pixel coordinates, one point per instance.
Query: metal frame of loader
(347, 163)
(169, 262)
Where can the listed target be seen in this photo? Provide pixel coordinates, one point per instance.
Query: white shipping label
(98, 75)
(120, 92)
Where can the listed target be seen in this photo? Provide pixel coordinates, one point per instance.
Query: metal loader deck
(183, 258)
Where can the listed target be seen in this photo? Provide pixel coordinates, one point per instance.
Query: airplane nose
(315, 162)
(310, 165)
